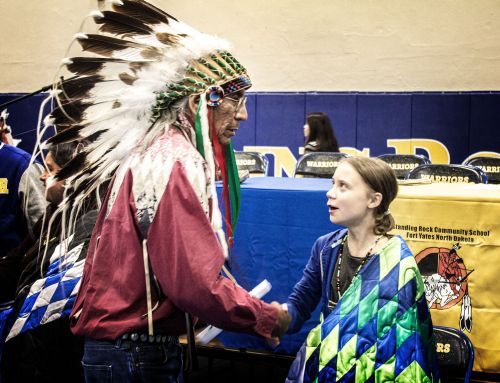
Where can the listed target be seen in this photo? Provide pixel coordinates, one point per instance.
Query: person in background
(56, 158)
(24, 260)
(22, 200)
(42, 348)
(375, 323)
(319, 135)
(18, 258)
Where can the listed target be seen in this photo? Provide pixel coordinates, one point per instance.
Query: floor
(219, 364)
(220, 371)
(235, 371)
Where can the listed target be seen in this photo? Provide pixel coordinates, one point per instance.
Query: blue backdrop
(464, 122)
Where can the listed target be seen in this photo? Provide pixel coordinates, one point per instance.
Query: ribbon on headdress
(230, 181)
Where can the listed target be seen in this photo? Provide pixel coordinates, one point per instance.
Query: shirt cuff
(266, 320)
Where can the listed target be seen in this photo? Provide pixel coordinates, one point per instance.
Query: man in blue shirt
(22, 200)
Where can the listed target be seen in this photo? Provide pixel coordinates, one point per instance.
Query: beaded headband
(138, 63)
(218, 75)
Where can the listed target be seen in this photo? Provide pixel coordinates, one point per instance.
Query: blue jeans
(126, 361)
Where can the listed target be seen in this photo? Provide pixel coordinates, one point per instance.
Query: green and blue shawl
(379, 331)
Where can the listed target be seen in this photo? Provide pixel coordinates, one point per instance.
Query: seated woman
(319, 134)
(376, 325)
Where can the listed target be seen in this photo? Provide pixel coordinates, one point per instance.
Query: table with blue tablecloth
(280, 218)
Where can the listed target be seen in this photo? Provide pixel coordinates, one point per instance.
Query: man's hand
(282, 322)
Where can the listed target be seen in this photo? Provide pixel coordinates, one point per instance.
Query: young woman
(376, 324)
(319, 134)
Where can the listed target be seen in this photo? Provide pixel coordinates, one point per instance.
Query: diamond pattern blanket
(380, 330)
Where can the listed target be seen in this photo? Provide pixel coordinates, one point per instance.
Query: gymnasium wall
(393, 75)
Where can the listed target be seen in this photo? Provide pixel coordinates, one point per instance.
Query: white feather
(123, 113)
(96, 13)
(80, 36)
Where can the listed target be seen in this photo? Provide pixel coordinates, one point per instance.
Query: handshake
(281, 325)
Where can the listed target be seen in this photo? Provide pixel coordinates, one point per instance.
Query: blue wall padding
(446, 119)
(380, 117)
(23, 117)
(280, 119)
(484, 122)
(465, 122)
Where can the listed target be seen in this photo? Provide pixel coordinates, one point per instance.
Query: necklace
(363, 261)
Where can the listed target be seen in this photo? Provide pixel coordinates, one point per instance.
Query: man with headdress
(161, 102)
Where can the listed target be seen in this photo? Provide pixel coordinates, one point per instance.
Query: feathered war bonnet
(138, 65)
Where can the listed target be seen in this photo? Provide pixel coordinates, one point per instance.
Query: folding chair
(254, 162)
(489, 165)
(402, 164)
(318, 164)
(455, 354)
(449, 173)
